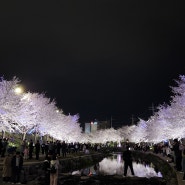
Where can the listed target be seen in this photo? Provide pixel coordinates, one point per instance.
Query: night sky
(97, 58)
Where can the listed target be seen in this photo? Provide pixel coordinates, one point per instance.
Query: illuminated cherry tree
(66, 128)
(169, 121)
(139, 132)
(178, 107)
(33, 112)
(22, 113)
(9, 103)
(51, 121)
(125, 132)
(104, 136)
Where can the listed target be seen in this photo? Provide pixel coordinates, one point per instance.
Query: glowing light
(18, 90)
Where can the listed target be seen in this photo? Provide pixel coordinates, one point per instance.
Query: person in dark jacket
(127, 157)
(1, 146)
(58, 148)
(5, 144)
(30, 149)
(16, 163)
(46, 168)
(37, 149)
(178, 155)
(64, 148)
(7, 169)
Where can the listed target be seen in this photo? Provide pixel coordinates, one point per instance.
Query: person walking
(54, 164)
(16, 163)
(127, 157)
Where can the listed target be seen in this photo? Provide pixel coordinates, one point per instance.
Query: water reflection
(114, 166)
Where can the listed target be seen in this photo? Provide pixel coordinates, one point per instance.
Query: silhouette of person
(46, 168)
(7, 168)
(37, 149)
(30, 149)
(54, 176)
(16, 163)
(127, 157)
(178, 155)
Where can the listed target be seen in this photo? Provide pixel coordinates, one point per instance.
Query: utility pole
(132, 118)
(111, 122)
(152, 108)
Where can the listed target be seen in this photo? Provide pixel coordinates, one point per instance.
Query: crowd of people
(175, 151)
(48, 151)
(49, 147)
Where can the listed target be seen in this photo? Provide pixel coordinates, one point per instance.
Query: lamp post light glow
(18, 90)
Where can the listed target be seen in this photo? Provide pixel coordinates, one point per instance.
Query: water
(114, 166)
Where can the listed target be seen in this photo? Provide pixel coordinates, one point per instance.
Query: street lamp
(18, 90)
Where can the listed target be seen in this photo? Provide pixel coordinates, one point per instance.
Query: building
(96, 125)
(104, 124)
(87, 128)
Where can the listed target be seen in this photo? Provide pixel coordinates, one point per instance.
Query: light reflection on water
(114, 166)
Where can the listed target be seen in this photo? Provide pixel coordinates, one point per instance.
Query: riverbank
(179, 175)
(35, 175)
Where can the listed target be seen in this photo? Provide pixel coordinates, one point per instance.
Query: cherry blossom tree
(9, 103)
(104, 136)
(67, 128)
(169, 121)
(125, 132)
(139, 132)
(178, 108)
(32, 111)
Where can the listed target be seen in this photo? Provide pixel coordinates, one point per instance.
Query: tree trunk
(46, 137)
(24, 136)
(35, 137)
(3, 134)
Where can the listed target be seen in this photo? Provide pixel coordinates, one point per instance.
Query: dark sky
(97, 58)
